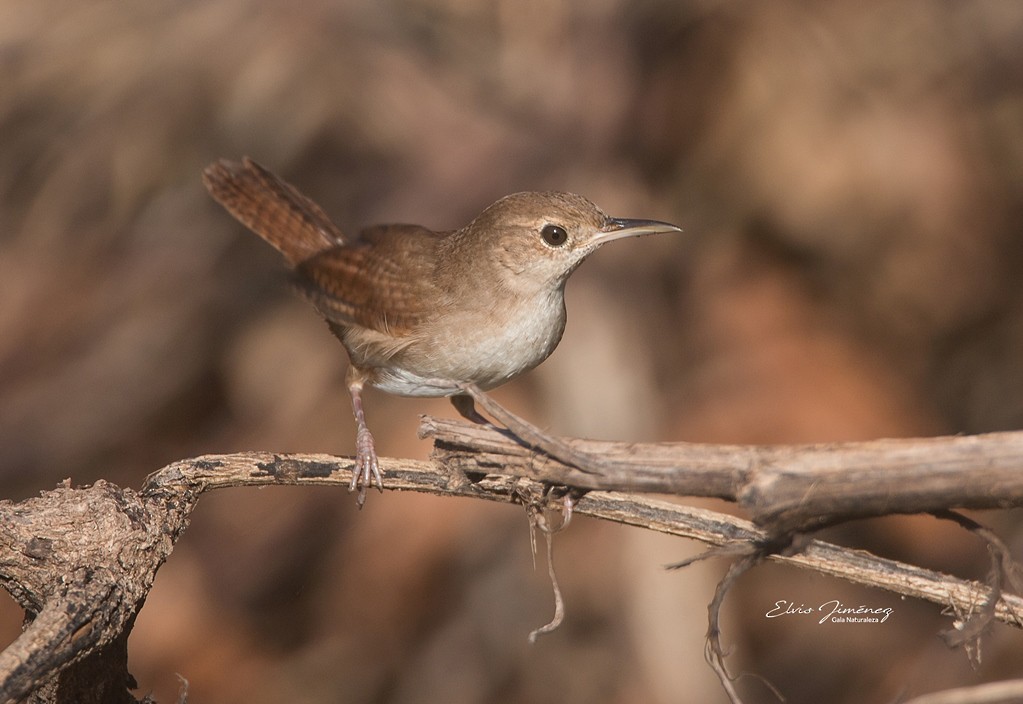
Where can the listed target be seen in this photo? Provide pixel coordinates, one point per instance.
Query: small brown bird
(424, 313)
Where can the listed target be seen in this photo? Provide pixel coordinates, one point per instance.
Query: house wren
(423, 313)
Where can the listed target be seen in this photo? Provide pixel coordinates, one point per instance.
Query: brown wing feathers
(349, 281)
(360, 284)
(271, 208)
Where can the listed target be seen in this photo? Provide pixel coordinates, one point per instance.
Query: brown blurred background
(850, 178)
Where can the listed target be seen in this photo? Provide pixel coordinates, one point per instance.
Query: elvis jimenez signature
(833, 611)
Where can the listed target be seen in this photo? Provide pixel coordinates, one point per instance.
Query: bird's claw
(367, 467)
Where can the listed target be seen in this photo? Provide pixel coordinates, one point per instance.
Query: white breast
(469, 347)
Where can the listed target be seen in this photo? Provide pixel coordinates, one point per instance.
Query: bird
(423, 312)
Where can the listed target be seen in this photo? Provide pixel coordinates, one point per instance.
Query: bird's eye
(554, 235)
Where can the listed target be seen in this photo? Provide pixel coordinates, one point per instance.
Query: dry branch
(81, 561)
(785, 488)
(713, 528)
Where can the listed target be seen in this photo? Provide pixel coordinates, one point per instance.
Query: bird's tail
(272, 208)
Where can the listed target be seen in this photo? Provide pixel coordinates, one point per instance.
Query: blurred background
(850, 179)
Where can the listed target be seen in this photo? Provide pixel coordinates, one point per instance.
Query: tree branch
(717, 529)
(785, 488)
(81, 561)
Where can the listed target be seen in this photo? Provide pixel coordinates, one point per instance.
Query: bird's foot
(561, 500)
(367, 467)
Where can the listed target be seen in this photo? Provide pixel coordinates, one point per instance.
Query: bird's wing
(384, 281)
(272, 208)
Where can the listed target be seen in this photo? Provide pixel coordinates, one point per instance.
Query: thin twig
(559, 600)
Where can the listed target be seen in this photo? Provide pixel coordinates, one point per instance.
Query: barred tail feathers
(272, 208)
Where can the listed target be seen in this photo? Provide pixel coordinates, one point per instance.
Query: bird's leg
(531, 435)
(367, 466)
(466, 408)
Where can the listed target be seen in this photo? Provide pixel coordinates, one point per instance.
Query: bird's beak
(617, 228)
